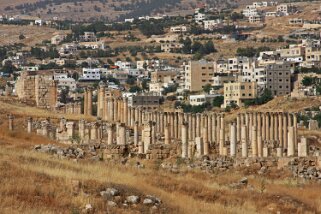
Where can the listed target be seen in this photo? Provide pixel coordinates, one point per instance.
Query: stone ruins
(39, 88)
(136, 131)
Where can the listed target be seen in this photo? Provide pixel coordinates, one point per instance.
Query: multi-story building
(198, 74)
(163, 76)
(254, 74)
(250, 12)
(211, 24)
(88, 37)
(259, 18)
(90, 74)
(286, 9)
(239, 92)
(199, 17)
(57, 39)
(293, 53)
(170, 47)
(278, 78)
(313, 54)
(178, 29)
(196, 100)
(148, 102)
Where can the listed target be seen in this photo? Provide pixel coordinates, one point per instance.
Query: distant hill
(105, 9)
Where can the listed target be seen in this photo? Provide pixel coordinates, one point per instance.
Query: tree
(207, 88)
(209, 47)
(308, 81)
(21, 37)
(135, 89)
(218, 101)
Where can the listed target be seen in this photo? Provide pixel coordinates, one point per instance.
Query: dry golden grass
(9, 34)
(39, 183)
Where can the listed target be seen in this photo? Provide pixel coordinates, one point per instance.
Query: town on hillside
(179, 106)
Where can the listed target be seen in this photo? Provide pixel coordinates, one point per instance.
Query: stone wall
(41, 89)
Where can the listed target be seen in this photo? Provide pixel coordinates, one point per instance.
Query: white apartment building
(65, 81)
(123, 65)
(199, 17)
(211, 24)
(178, 29)
(254, 74)
(90, 74)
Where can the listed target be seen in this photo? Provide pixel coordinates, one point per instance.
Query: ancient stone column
(272, 126)
(199, 147)
(86, 101)
(100, 100)
(141, 147)
(222, 141)
(70, 129)
(111, 110)
(190, 127)
(110, 134)
(105, 109)
(295, 126)
(184, 140)
(198, 125)
(115, 110)
(238, 128)
(62, 124)
(175, 125)
(214, 135)
(90, 102)
(244, 141)
(136, 134)
(205, 134)
(121, 134)
(167, 134)
(218, 128)
(285, 130)
(303, 147)
(291, 147)
(254, 142)
(263, 130)
(161, 122)
(259, 122)
(82, 129)
(209, 128)
(233, 139)
(44, 127)
(93, 131)
(250, 126)
(10, 118)
(193, 126)
(276, 132)
(172, 122)
(259, 144)
(279, 152)
(280, 131)
(267, 126)
(180, 121)
(29, 126)
(154, 132)
(126, 112)
(147, 135)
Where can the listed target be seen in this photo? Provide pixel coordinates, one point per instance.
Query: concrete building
(239, 92)
(145, 101)
(90, 74)
(178, 29)
(88, 37)
(286, 9)
(196, 100)
(211, 24)
(198, 74)
(57, 39)
(278, 78)
(171, 47)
